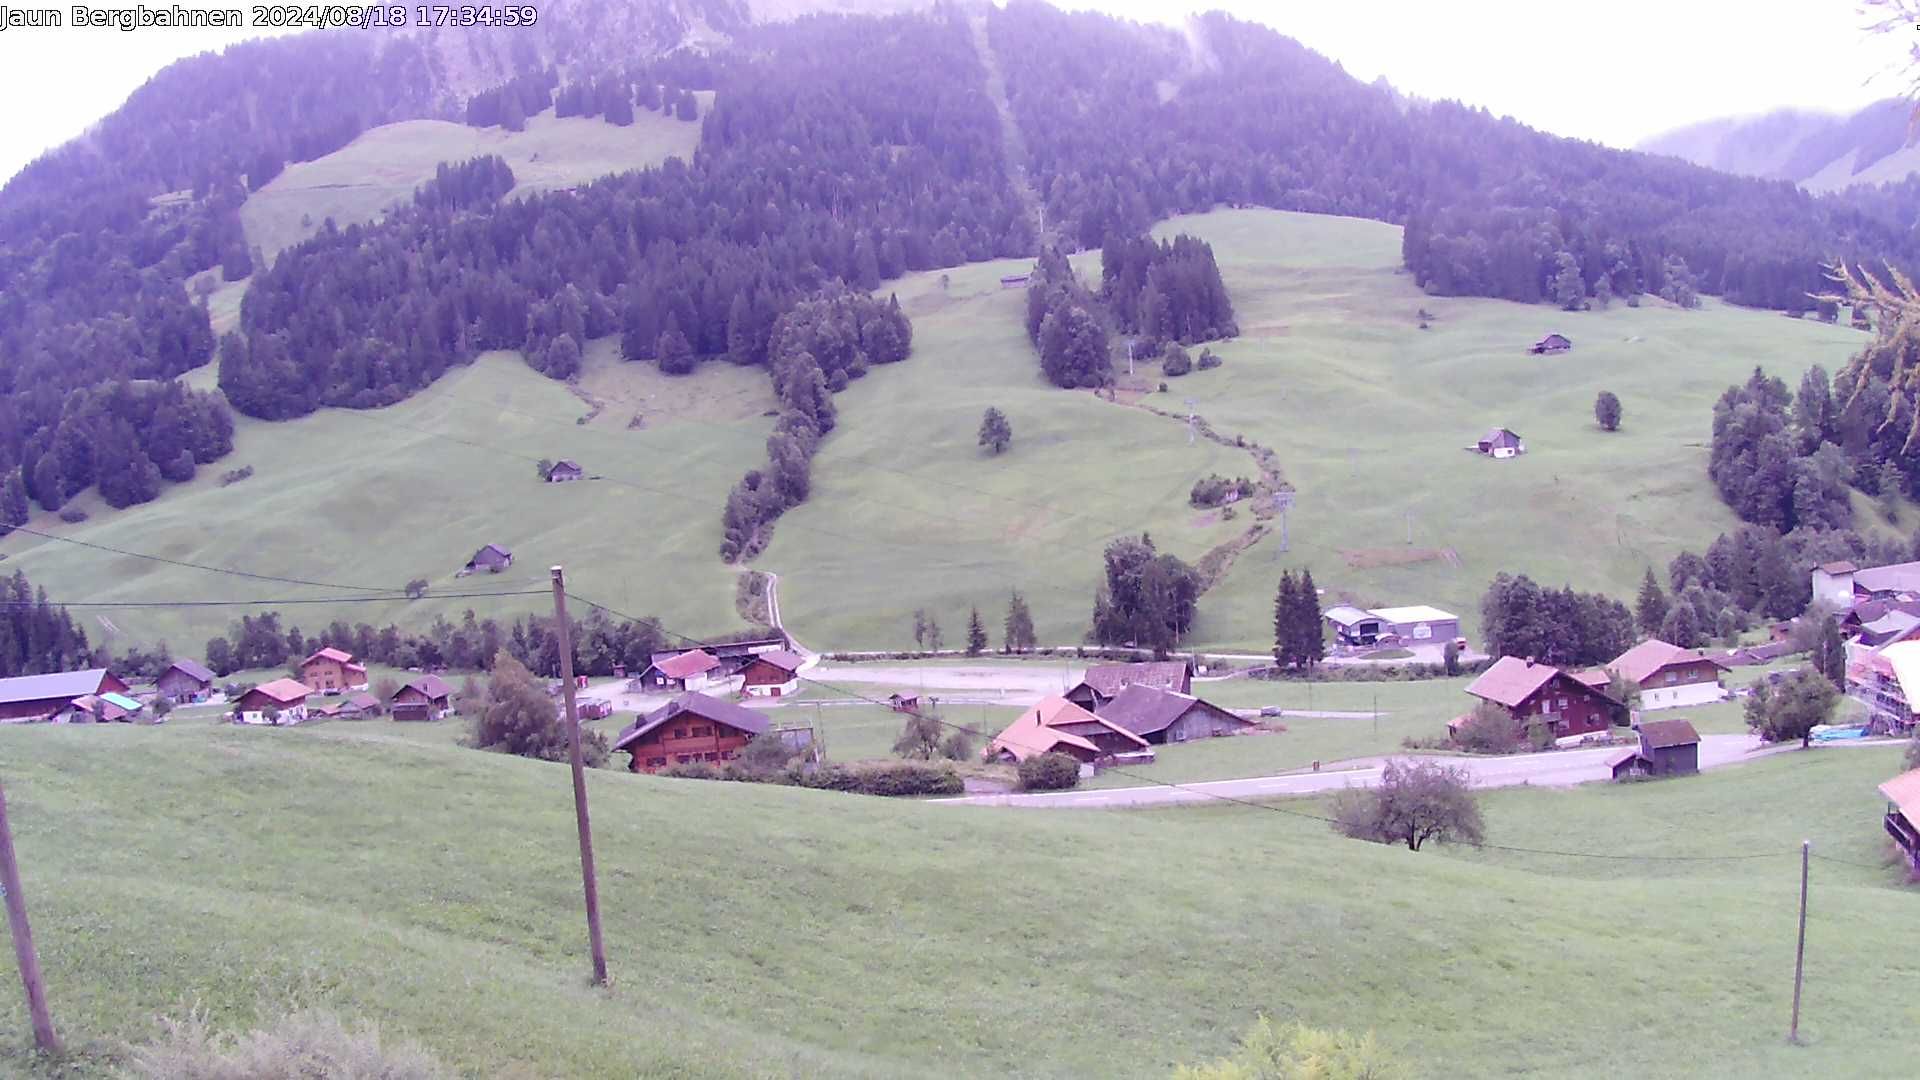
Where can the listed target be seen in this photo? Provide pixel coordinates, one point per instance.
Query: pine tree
(1283, 615)
(976, 634)
(920, 627)
(1650, 611)
(996, 434)
(1312, 647)
(13, 501)
(1019, 636)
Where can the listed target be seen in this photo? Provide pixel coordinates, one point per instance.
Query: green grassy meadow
(380, 168)
(380, 497)
(758, 931)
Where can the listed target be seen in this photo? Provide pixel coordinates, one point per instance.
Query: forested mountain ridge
(1817, 150)
(840, 149)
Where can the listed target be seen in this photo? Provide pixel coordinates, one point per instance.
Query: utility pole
(1129, 357)
(1189, 421)
(1376, 713)
(23, 951)
(1409, 528)
(587, 879)
(1800, 950)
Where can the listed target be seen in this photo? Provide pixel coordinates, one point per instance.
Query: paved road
(1555, 769)
(1011, 684)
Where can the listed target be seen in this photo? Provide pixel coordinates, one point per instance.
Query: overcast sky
(1615, 73)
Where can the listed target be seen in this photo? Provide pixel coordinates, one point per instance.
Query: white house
(1833, 585)
(1669, 676)
(1418, 623)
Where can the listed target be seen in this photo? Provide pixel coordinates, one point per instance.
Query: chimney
(1529, 661)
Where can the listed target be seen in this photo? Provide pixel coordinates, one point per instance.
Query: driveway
(1015, 684)
(1553, 769)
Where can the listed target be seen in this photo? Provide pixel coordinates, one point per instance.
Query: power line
(1235, 800)
(276, 602)
(227, 570)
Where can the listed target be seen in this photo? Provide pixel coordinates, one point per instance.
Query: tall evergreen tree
(1018, 631)
(1283, 615)
(1830, 653)
(1307, 621)
(976, 634)
(1650, 610)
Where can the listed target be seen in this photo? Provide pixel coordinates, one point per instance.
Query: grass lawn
(381, 168)
(381, 497)
(775, 931)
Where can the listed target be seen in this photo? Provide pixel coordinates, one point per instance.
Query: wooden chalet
(690, 728)
(903, 703)
(31, 698)
(1535, 693)
(1667, 748)
(357, 705)
(1163, 716)
(423, 697)
(185, 680)
(772, 674)
(1669, 676)
(1057, 725)
(1887, 681)
(695, 669)
(282, 701)
(1902, 821)
(1552, 343)
(565, 471)
(1103, 682)
(332, 671)
(493, 558)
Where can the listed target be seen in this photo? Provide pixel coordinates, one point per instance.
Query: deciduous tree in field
(1569, 291)
(1413, 803)
(519, 718)
(1606, 410)
(920, 737)
(996, 434)
(920, 627)
(1489, 729)
(1791, 708)
(933, 634)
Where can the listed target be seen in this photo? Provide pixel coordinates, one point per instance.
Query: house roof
(1902, 659)
(567, 463)
(1511, 681)
(338, 656)
(285, 691)
(1644, 660)
(1346, 614)
(194, 668)
(1108, 679)
(56, 684)
(1501, 436)
(1040, 729)
(1836, 568)
(1621, 757)
(1892, 624)
(433, 686)
(494, 549)
(1596, 677)
(782, 659)
(121, 701)
(1414, 613)
(1904, 791)
(1897, 577)
(1661, 734)
(686, 664)
(734, 716)
(1144, 710)
(360, 699)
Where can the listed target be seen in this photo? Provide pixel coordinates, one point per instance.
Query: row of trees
(125, 437)
(600, 643)
(1299, 636)
(1561, 627)
(1064, 324)
(813, 350)
(1166, 290)
(37, 636)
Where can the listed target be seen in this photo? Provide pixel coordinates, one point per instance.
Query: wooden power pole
(43, 1034)
(1800, 950)
(588, 881)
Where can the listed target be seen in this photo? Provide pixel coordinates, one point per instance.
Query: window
(712, 757)
(679, 733)
(684, 758)
(655, 762)
(726, 755)
(701, 731)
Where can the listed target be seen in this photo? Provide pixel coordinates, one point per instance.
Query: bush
(1296, 1052)
(1214, 489)
(1049, 772)
(1412, 804)
(907, 778)
(234, 476)
(767, 752)
(73, 515)
(1539, 737)
(1176, 364)
(1489, 730)
(300, 1044)
(1208, 360)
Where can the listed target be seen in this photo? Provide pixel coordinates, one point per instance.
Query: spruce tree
(1019, 626)
(13, 501)
(1650, 611)
(1312, 646)
(976, 634)
(1283, 605)
(1830, 653)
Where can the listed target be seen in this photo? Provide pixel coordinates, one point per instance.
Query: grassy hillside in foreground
(381, 167)
(385, 496)
(759, 931)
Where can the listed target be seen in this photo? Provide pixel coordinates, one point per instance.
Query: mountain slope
(1822, 152)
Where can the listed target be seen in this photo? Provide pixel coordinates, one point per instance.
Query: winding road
(1560, 768)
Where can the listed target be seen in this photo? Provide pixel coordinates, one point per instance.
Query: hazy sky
(1615, 73)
